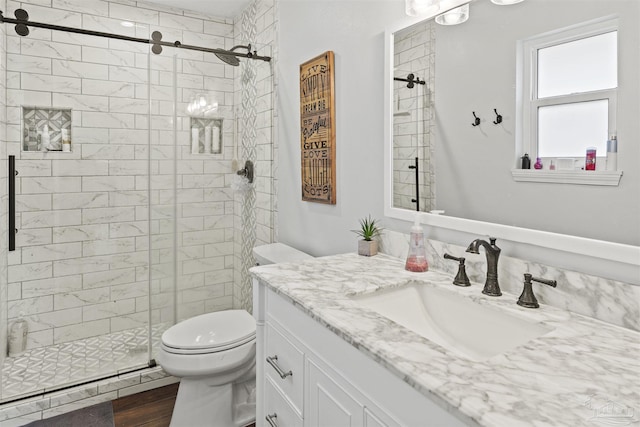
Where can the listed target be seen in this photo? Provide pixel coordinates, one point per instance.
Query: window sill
(580, 177)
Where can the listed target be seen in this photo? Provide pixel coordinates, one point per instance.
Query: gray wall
(475, 71)
(356, 35)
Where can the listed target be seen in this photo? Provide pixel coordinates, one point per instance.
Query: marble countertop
(584, 372)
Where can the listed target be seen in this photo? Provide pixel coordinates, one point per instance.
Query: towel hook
(498, 119)
(476, 122)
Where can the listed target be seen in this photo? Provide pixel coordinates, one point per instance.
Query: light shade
(421, 7)
(505, 2)
(454, 16)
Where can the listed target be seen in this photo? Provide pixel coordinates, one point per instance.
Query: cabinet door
(278, 412)
(329, 404)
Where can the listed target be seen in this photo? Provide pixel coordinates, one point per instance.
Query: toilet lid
(211, 331)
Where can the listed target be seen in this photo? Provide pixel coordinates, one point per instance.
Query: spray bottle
(417, 258)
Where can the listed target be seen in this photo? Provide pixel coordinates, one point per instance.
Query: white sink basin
(457, 323)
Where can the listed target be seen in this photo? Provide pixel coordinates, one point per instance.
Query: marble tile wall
(608, 300)
(257, 25)
(413, 120)
(97, 224)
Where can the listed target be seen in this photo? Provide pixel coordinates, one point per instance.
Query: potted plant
(368, 230)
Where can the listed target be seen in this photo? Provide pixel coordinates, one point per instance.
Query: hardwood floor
(151, 408)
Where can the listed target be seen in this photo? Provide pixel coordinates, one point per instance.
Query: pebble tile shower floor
(49, 368)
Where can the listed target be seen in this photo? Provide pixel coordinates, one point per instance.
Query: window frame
(528, 82)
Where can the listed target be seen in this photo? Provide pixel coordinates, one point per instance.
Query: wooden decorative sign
(317, 130)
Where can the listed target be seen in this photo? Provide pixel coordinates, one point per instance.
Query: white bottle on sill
(612, 153)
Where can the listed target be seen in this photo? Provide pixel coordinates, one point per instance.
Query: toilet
(214, 355)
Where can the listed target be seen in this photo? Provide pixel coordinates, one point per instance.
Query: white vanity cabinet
(315, 378)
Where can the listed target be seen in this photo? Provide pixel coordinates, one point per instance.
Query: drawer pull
(271, 419)
(273, 361)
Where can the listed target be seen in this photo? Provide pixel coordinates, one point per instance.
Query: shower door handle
(12, 203)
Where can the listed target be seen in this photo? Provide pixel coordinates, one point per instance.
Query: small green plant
(368, 228)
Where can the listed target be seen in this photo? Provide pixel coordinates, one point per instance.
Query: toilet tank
(275, 253)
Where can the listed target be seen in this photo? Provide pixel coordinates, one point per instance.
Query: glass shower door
(95, 219)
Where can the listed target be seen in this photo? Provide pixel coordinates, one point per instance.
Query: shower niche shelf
(34, 121)
(206, 135)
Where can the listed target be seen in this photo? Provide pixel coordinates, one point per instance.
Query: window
(568, 91)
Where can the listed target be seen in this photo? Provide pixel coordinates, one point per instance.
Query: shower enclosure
(134, 226)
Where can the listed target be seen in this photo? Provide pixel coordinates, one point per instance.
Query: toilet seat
(210, 333)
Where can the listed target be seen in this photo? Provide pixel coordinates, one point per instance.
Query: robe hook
(476, 122)
(498, 119)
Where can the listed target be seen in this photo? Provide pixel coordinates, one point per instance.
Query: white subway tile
(181, 22)
(107, 88)
(136, 14)
(84, 136)
(80, 200)
(28, 97)
(109, 309)
(129, 290)
(109, 278)
(80, 298)
(82, 102)
(40, 185)
(130, 321)
(80, 331)
(28, 306)
(129, 105)
(57, 218)
(80, 233)
(49, 49)
(51, 252)
(108, 120)
(79, 39)
(107, 183)
(33, 202)
(35, 236)
(105, 24)
(93, 7)
(108, 215)
(131, 229)
(107, 56)
(19, 273)
(65, 18)
(128, 136)
(128, 198)
(30, 64)
(80, 167)
(68, 267)
(80, 69)
(107, 247)
(109, 151)
(129, 167)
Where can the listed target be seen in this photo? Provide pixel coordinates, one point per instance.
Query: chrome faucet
(491, 286)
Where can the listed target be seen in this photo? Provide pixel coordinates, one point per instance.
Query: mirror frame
(601, 249)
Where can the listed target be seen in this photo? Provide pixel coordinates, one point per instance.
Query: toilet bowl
(214, 355)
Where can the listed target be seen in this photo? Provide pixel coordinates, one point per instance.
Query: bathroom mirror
(471, 72)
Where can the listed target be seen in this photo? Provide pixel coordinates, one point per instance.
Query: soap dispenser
(417, 258)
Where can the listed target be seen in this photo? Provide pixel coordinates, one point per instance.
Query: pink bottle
(590, 161)
(417, 258)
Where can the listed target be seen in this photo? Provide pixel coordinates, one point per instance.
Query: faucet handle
(527, 298)
(461, 278)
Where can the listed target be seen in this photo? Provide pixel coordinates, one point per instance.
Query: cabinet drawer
(285, 366)
(277, 409)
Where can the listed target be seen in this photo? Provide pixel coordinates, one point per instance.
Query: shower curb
(47, 405)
